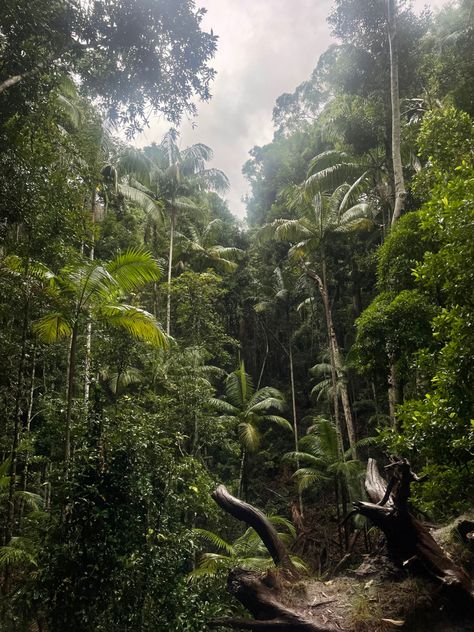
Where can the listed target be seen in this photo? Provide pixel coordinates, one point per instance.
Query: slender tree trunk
(264, 359)
(400, 192)
(295, 423)
(88, 346)
(70, 397)
(29, 416)
(394, 392)
(336, 358)
(170, 268)
(243, 463)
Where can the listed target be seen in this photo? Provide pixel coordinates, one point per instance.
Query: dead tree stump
(408, 540)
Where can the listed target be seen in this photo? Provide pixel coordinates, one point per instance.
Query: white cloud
(266, 47)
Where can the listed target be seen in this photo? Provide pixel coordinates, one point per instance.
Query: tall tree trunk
(400, 192)
(88, 346)
(336, 358)
(243, 464)
(29, 416)
(71, 375)
(295, 423)
(170, 267)
(267, 349)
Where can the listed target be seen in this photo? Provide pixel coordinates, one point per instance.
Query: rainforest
(211, 421)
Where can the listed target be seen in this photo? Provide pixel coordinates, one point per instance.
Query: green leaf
(133, 269)
(138, 322)
(215, 540)
(52, 327)
(249, 435)
(280, 421)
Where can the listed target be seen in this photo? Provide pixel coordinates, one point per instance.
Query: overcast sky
(265, 48)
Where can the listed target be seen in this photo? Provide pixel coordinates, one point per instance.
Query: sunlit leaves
(138, 322)
(52, 327)
(133, 269)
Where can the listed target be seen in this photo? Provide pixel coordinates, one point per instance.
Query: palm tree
(203, 251)
(324, 463)
(92, 290)
(166, 180)
(249, 410)
(324, 216)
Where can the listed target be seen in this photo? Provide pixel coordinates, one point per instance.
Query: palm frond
(5, 467)
(239, 386)
(31, 267)
(249, 436)
(326, 159)
(88, 282)
(209, 564)
(268, 393)
(215, 540)
(299, 564)
(141, 199)
(194, 158)
(262, 306)
(280, 421)
(32, 500)
(292, 230)
(320, 370)
(11, 555)
(221, 406)
(352, 192)
(363, 211)
(121, 379)
(280, 521)
(52, 327)
(133, 269)
(215, 180)
(134, 162)
(186, 204)
(306, 477)
(325, 387)
(330, 178)
(267, 404)
(138, 322)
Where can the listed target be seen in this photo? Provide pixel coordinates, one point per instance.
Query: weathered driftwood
(409, 541)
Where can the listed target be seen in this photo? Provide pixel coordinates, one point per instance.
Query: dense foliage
(152, 346)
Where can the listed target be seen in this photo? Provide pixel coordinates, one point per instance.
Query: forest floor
(376, 597)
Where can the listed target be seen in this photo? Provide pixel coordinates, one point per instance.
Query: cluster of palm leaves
(247, 551)
(165, 183)
(250, 412)
(323, 462)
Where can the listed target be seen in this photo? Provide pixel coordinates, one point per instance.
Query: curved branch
(257, 520)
